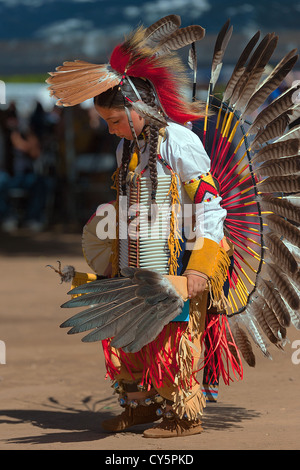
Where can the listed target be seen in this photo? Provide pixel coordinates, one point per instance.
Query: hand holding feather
(132, 309)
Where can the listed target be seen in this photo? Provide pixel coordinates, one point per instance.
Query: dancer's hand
(196, 283)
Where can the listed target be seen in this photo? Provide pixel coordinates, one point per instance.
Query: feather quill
(294, 133)
(268, 321)
(150, 114)
(75, 83)
(263, 314)
(148, 330)
(121, 313)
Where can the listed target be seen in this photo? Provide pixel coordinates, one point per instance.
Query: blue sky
(45, 19)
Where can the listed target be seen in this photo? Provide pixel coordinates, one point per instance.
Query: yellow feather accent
(133, 162)
(82, 278)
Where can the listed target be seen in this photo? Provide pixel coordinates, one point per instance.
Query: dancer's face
(117, 121)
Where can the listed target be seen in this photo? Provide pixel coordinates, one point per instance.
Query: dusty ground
(53, 392)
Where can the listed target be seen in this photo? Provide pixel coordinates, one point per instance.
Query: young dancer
(168, 268)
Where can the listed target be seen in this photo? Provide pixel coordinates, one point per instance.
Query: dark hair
(114, 98)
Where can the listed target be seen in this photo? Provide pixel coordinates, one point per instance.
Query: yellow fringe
(174, 235)
(217, 280)
(82, 278)
(115, 244)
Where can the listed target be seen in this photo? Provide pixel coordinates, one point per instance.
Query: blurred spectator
(55, 166)
(18, 178)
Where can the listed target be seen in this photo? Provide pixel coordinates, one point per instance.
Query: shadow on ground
(74, 424)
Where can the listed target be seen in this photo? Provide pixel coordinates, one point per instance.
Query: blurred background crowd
(55, 166)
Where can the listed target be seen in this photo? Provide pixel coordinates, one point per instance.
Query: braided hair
(113, 98)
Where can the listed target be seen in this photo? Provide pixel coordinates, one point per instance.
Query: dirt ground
(53, 392)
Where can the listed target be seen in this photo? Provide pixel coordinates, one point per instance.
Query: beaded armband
(201, 189)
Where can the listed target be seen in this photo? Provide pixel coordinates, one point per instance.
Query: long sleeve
(184, 151)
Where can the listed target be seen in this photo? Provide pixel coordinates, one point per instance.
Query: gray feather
(132, 310)
(249, 320)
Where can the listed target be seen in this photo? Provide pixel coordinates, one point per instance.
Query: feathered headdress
(147, 53)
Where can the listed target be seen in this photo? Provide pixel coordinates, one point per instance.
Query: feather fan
(132, 309)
